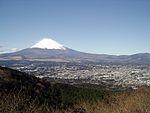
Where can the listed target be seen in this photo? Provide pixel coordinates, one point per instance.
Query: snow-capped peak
(48, 43)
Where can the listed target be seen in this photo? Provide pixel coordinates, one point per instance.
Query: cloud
(7, 50)
(14, 49)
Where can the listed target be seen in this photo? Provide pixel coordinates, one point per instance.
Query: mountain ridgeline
(49, 50)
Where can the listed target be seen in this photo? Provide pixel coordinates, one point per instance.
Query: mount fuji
(50, 50)
(48, 43)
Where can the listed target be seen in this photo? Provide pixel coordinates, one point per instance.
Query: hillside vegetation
(22, 93)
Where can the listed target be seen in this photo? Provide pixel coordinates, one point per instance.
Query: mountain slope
(20, 92)
(49, 50)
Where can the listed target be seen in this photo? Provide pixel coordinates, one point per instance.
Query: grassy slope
(21, 93)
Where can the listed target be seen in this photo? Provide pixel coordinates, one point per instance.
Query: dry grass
(128, 102)
(19, 103)
(134, 102)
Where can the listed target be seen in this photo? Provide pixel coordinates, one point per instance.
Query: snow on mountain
(48, 43)
(50, 50)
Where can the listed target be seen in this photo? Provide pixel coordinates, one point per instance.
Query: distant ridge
(50, 50)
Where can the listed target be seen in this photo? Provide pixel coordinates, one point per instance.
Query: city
(111, 76)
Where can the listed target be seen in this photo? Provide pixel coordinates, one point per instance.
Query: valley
(51, 60)
(51, 78)
(23, 93)
(110, 76)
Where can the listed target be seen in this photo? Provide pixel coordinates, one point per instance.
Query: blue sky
(95, 26)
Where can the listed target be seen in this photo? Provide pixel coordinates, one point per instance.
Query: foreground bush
(137, 101)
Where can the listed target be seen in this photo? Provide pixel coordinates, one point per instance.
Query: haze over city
(95, 26)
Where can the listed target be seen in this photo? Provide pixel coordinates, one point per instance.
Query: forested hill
(22, 93)
(54, 95)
